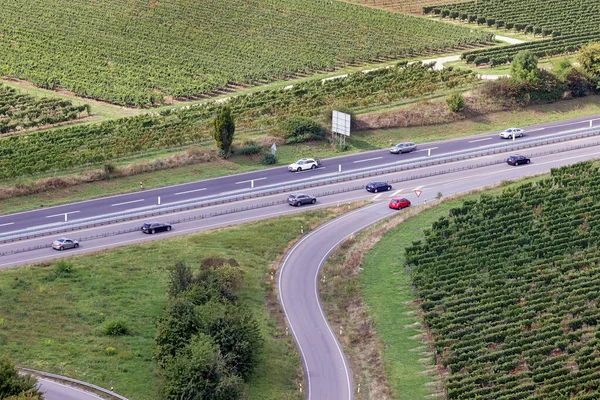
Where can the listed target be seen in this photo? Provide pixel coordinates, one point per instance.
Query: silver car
(65, 243)
(404, 147)
(510, 132)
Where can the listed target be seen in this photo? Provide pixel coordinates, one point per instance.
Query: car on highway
(304, 164)
(153, 227)
(404, 147)
(518, 159)
(511, 132)
(65, 243)
(398, 203)
(378, 187)
(300, 199)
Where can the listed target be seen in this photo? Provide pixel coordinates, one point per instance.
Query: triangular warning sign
(418, 192)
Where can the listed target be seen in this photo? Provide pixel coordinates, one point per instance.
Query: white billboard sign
(340, 123)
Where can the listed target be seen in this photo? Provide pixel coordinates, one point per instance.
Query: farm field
(19, 111)
(139, 53)
(507, 285)
(51, 317)
(113, 139)
(570, 24)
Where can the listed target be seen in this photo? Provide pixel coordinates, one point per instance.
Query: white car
(510, 132)
(304, 164)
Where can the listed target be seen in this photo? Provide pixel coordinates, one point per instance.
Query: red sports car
(399, 203)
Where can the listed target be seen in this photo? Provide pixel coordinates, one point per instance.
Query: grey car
(404, 147)
(65, 243)
(300, 199)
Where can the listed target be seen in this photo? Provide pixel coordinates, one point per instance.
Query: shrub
(63, 267)
(13, 384)
(111, 351)
(455, 102)
(269, 159)
(249, 148)
(301, 129)
(116, 328)
(199, 372)
(109, 170)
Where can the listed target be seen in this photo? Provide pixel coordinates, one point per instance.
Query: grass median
(52, 317)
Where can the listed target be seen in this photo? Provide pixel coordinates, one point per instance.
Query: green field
(48, 319)
(136, 52)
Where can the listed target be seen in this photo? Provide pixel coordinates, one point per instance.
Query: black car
(518, 160)
(299, 199)
(153, 227)
(378, 187)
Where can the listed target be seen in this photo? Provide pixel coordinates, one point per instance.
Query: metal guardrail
(244, 194)
(60, 378)
(319, 194)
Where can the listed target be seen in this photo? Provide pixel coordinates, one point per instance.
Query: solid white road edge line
(257, 179)
(62, 214)
(368, 159)
(283, 265)
(189, 191)
(479, 140)
(126, 202)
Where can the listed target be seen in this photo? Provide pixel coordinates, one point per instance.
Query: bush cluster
(206, 342)
(14, 384)
(301, 129)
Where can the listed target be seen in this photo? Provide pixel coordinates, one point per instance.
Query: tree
(589, 58)
(524, 67)
(455, 102)
(198, 371)
(174, 329)
(180, 279)
(224, 130)
(13, 384)
(236, 332)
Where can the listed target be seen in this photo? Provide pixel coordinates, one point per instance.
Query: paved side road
(328, 376)
(59, 391)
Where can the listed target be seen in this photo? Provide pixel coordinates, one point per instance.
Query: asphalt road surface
(327, 373)
(326, 370)
(200, 189)
(58, 391)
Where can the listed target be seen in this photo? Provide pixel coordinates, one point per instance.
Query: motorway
(326, 370)
(228, 184)
(327, 374)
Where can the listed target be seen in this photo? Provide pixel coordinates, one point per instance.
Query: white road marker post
(159, 200)
(252, 183)
(428, 152)
(339, 168)
(591, 122)
(358, 391)
(341, 330)
(66, 217)
(301, 229)
(514, 137)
